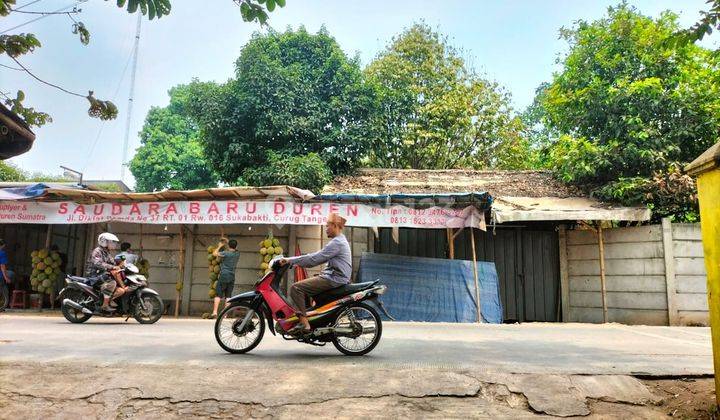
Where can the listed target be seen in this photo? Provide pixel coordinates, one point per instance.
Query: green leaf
(280, 3)
(270, 5)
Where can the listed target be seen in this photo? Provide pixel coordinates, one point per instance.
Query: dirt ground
(687, 398)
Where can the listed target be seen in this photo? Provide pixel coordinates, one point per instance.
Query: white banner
(238, 212)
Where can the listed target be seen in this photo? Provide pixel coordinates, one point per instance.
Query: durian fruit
(213, 270)
(269, 248)
(45, 270)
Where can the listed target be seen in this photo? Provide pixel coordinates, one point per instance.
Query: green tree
(709, 20)
(170, 155)
(630, 104)
(308, 172)
(10, 173)
(294, 93)
(436, 113)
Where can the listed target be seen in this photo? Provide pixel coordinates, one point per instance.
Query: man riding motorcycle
(338, 257)
(101, 263)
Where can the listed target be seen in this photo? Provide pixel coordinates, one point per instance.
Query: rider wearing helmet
(100, 263)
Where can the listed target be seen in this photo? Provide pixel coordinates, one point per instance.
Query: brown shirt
(99, 262)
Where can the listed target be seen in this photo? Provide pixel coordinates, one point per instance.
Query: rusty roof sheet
(414, 181)
(79, 195)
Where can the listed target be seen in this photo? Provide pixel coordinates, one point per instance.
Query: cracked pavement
(106, 368)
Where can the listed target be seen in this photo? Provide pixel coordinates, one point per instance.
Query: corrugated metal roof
(481, 200)
(79, 195)
(516, 195)
(414, 181)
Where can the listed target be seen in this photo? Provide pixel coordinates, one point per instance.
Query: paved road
(526, 348)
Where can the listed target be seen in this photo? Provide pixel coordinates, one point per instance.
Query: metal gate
(526, 259)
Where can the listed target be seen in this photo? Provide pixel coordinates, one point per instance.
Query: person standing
(126, 251)
(6, 277)
(229, 256)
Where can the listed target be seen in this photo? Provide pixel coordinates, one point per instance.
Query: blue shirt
(338, 257)
(3, 257)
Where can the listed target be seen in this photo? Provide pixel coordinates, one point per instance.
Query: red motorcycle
(340, 315)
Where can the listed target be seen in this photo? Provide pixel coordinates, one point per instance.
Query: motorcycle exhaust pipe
(75, 305)
(341, 331)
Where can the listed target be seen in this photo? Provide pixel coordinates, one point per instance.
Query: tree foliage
(294, 93)
(308, 171)
(170, 155)
(436, 113)
(629, 104)
(709, 20)
(10, 173)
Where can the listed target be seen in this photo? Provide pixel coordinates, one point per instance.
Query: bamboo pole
(475, 274)
(603, 288)
(181, 270)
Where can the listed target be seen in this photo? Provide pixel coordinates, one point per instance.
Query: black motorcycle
(81, 298)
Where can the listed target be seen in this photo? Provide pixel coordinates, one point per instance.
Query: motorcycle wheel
(72, 314)
(365, 317)
(227, 329)
(153, 311)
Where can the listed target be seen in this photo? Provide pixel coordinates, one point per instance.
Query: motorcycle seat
(86, 280)
(339, 292)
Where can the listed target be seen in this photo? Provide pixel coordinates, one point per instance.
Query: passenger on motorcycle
(101, 263)
(338, 257)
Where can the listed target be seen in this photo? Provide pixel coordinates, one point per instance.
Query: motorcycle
(81, 298)
(340, 315)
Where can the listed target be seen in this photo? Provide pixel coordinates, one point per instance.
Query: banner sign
(238, 212)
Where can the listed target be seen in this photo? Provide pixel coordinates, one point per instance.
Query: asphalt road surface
(174, 369)
(519, 348)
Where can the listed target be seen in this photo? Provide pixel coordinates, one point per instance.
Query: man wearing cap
(338, 257)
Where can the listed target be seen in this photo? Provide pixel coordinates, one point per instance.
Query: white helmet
(108, 240)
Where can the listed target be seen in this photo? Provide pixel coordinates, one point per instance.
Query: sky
(514, 42)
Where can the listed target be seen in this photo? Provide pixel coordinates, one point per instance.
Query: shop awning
(514, 209)
(53, 192)
(481, 200)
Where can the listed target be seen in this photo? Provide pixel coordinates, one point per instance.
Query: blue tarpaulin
(20, 193)
(432, 289)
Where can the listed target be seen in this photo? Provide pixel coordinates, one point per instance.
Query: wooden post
(181, 270)
(451, 243)
(48, 236)
(475, 274)
(141, 241)
(564, 277)
(670, 282)
(48, 239)
(290, 252)
(603, 287)
(189, 251)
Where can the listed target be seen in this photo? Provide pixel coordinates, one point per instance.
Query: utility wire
(42, 17)
(27, 4)
(102, 125)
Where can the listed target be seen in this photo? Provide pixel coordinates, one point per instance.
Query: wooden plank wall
(690, 275)
(635, 276)
(638, 291)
